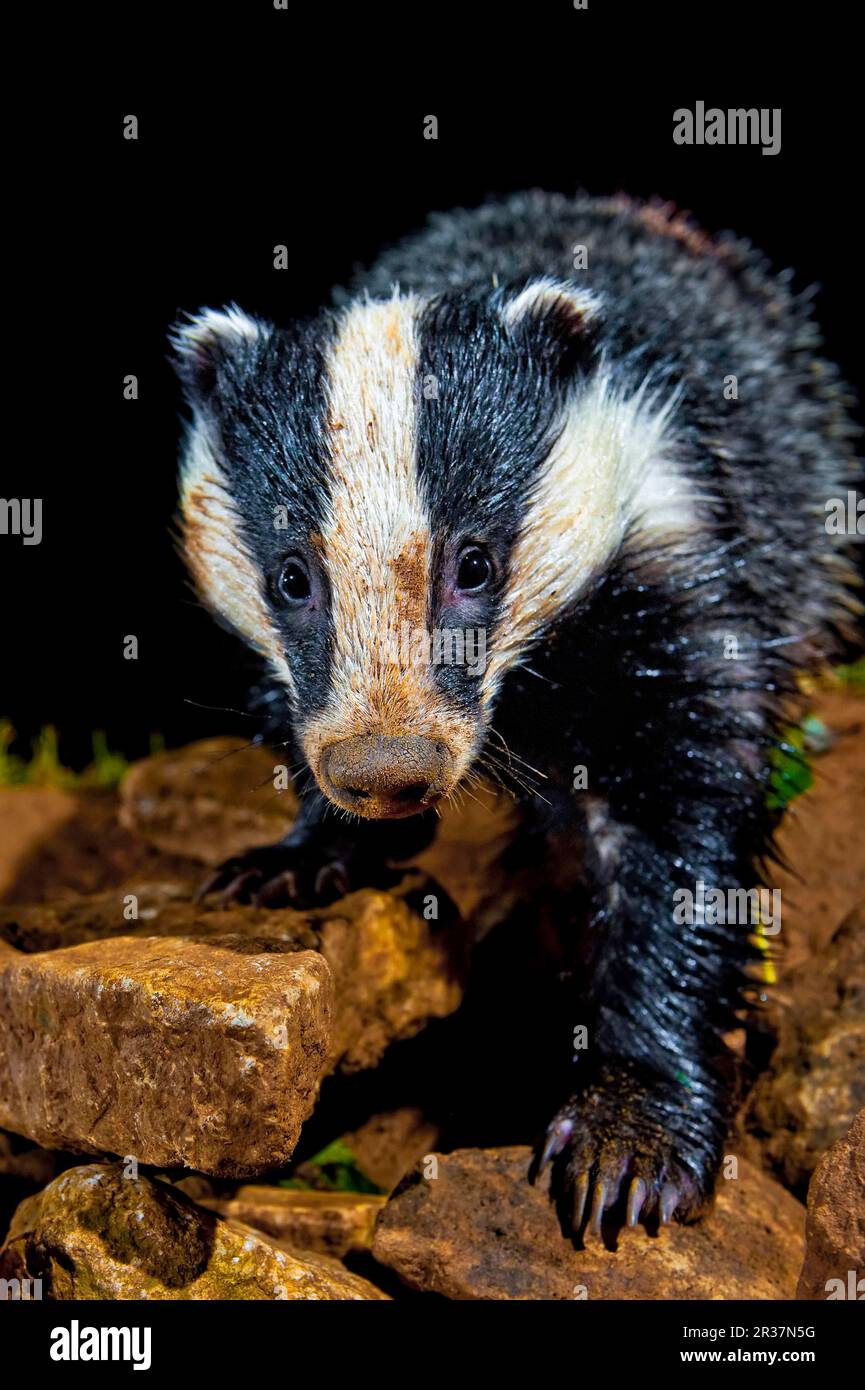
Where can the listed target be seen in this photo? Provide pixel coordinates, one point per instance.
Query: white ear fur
(547, 296)
(230, 327)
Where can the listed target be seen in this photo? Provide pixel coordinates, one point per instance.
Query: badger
(606, 441)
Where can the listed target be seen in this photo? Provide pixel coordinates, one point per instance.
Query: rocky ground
(200, 1101)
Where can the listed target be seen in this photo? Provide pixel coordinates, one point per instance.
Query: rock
(208, 800)
(332, 1223)
(28, 817)
(822, 836)
(176, 1052)
(87, 852)
(465, 856)
(392, 969)
(76, 918)
(193, 1185)
(815, 1082)
(479, 1231)
(95, 1234)
(835, 1228)
(387, 1145)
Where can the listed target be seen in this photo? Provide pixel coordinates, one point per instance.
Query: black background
(275, 133)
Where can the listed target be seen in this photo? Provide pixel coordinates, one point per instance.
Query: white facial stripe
(610, 468)
(376, 540)
(224, 573)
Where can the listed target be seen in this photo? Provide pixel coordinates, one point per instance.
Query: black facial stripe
(490, 406)
(270, 408)
(487, 413)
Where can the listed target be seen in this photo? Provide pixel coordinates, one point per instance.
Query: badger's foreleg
(324, 856)
(653, 1085)
(675, 812)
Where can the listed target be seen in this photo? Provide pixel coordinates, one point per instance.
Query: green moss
(791, 772)
(333, 1169)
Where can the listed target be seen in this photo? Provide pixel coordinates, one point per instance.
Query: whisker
(515, 756)
(509, 772)
(224, 709)
(525, 772)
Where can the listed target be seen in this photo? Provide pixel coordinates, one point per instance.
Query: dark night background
(237, 156)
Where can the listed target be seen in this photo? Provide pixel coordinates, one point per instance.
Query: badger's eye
(474, 570)
(293, 583)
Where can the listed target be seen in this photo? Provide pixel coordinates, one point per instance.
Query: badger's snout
(385, 778)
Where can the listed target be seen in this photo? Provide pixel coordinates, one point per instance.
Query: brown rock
(332, 1223)
(208, 800)
(89, 853)
(193, 1185)
(822, 836)
(387, 1145)
(835, 1228)
(177, 1052)
(392, 969)
(129, 910)
(479, 1231)
(94, 1234)
(28, 817)
(815, 1083)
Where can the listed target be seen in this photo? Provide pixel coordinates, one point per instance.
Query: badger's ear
(210, 341)
(556, 317)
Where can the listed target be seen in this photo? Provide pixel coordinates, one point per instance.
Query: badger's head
(393, 503)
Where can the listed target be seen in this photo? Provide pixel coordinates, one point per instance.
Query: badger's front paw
(612, 1143)
(311, 874)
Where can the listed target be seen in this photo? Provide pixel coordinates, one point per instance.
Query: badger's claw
(578, 1205)
(605, 1143)
(301, 876)
(637, 1194)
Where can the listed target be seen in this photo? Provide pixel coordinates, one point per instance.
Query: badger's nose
(385, 778)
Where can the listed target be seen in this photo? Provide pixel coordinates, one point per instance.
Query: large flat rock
(333, 1223)
(478, 1230)
(207, 800)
